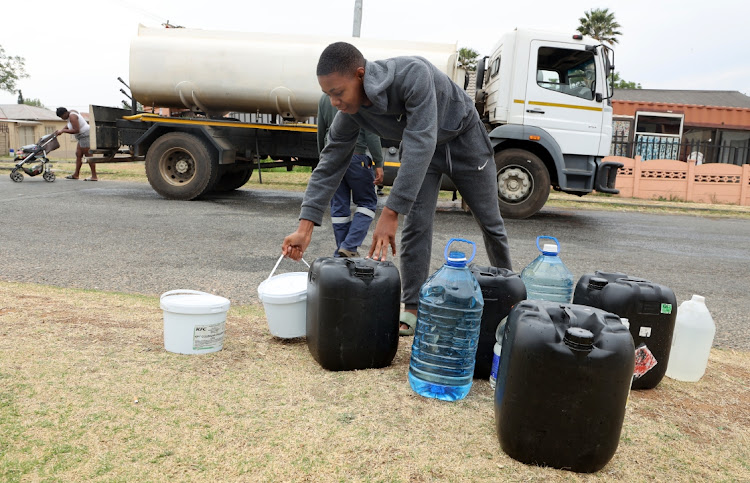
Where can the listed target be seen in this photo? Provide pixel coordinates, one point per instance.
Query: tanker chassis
(546, 106)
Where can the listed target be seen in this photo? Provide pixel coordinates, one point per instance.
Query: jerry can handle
(473, 248)
(279, 261)
(542, 237)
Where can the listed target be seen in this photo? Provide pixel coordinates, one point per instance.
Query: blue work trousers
(357, 186)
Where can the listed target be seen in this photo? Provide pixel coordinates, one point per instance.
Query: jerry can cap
(578, 338)
(364, 271)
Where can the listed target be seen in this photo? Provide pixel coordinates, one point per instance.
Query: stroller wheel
(16, 176)
(49, 176)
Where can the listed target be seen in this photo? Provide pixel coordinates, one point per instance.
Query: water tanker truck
(233, 99)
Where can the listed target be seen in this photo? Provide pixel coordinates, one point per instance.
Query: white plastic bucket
(194, 322)
(284, 299)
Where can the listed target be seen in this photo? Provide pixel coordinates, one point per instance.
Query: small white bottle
(693, 336)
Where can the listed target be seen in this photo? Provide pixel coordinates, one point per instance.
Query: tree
(128, 106)
(467, 59)
(11, 70)
(600, 24)
(33, 102)
(623, 84)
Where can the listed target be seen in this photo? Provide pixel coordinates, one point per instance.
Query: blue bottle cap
(462, 255)
(456, 259)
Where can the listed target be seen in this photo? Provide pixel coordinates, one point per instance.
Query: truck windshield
(568, 71)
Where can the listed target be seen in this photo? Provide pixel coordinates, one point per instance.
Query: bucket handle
(279, 261)
(182, 291)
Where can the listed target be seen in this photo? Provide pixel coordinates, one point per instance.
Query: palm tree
(600, 23)
(467, 58)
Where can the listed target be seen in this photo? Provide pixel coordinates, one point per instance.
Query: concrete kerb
(616, 200)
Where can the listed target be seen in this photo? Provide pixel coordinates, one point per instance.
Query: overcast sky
(75, 51)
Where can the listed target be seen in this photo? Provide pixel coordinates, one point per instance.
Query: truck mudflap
(606, 175)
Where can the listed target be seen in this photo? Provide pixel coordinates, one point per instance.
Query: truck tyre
(231, 180)
(180, 166)
(523, 183)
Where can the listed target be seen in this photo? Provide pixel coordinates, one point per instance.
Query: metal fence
(660, 147)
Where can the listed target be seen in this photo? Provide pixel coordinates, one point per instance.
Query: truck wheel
(522, 183)
(231, 180)
(180, 166)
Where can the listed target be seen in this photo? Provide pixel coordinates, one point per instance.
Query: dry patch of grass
(87, 392)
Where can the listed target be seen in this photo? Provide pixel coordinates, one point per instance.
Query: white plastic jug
(692, 339)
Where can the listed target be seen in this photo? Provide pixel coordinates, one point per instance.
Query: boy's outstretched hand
(294, 245)
(384, 235)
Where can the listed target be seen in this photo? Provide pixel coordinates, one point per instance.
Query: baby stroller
(35, 152)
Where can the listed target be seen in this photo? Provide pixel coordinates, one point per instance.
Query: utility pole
(357, 17)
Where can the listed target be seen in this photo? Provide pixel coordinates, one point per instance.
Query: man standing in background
(358, 185)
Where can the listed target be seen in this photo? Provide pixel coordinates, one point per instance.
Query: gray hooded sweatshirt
(412, 102)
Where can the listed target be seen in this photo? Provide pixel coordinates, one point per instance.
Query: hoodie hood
(378, 78)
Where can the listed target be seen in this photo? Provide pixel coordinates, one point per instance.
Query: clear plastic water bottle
(497, 350)
(693, 336)
(443, 354)
(547, 277)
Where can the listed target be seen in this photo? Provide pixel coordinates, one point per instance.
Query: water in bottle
(547, 277)
(693, 336)
(443, 353)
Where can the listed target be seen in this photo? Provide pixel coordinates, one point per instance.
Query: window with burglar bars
(735, 152)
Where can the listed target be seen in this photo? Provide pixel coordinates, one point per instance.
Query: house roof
(711, 109)
(27, 113)
(686, 97)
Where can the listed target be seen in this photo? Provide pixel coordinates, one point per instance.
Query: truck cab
(545, 98)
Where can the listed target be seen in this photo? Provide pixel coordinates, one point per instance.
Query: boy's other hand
(384, 235)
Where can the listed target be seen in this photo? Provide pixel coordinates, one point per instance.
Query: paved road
(122, 236)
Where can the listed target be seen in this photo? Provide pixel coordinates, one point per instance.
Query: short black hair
(340, 57)
(60, 111)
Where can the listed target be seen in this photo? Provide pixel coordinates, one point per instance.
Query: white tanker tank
(218, 72)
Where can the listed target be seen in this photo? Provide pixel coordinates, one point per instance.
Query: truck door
(563, 80)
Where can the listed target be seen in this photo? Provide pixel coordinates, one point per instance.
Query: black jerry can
(353, 307)
(501, 290)
(562, 385)
(651, 310)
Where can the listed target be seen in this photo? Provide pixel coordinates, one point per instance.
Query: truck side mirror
(480, 72)
(599, 97)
